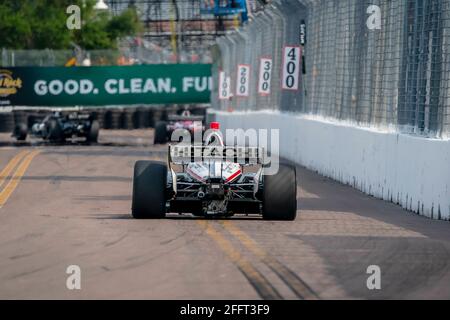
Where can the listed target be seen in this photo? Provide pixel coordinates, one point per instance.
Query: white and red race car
(186, 121)
(213, 180)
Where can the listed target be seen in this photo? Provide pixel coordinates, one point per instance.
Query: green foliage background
(41, 24)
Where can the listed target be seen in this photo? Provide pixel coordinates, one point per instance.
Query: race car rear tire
(54, 130)
(160, 132)
(93, 131)
(149, 190)
(280, 195)
(20, 132)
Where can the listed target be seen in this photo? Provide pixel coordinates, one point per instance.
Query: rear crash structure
(58, 127)
(213, 181)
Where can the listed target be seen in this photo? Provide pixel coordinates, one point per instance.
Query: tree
(15, 29)
(124, 24)
(41, 24)
(48, 25)
(101, 31)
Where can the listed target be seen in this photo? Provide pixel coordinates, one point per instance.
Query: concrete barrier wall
(413, 172)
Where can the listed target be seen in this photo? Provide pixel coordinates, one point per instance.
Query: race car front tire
(20, 132)
(93, 131)
(160, 132)
(149, 190)
(280, 195)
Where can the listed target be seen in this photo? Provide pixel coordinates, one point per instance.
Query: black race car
(58, 127)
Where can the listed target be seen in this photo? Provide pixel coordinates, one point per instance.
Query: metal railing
(397, 76)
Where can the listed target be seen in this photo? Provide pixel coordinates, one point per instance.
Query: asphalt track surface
(64, 205)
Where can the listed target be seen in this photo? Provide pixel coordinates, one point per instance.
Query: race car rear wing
(185, 118)
(185, 154)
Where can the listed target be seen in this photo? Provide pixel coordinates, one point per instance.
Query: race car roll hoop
(210, 180)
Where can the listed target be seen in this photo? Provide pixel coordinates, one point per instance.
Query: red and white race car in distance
(185, 121)
(210, 180)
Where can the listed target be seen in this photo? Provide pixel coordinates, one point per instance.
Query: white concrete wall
(411, 171)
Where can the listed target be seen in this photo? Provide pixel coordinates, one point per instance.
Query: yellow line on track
(294, 282)
(18, 174)
(11, 165)
(256, 279)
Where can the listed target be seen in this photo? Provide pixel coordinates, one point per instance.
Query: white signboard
(291, 68)
(224, 86)
(243, 80)
(265, 76)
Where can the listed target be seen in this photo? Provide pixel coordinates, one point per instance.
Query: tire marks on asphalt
(256, 279)
(24, 158)
(260, 283)
(290, 278)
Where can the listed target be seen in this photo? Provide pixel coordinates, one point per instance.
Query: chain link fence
(131, 53)
(396, 76)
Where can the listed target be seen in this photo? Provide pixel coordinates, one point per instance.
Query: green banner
(112, 85)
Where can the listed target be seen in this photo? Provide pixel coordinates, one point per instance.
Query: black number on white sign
(242, 83)
(291, 67)
(265, 75)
